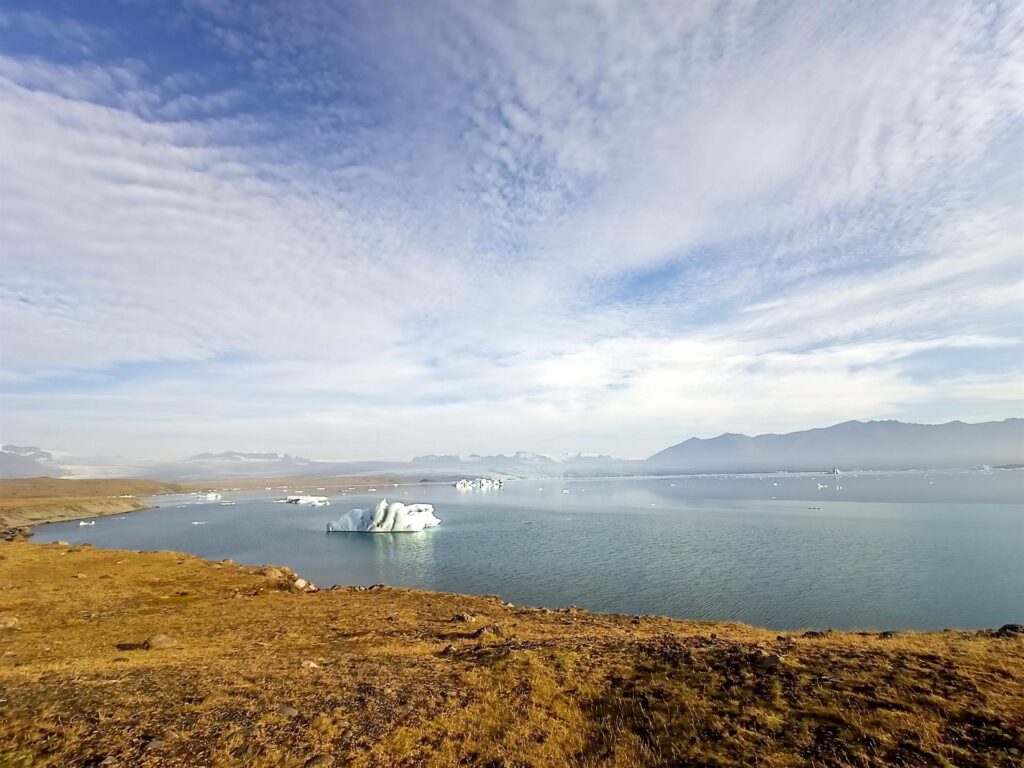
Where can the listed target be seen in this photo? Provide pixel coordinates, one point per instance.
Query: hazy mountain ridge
(851, 445)
(28, 461)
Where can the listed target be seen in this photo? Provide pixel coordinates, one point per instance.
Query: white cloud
(593, 227)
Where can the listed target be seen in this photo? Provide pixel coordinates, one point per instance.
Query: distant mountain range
(28, 461)
(851, 445)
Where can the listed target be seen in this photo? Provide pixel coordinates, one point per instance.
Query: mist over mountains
(851, 445)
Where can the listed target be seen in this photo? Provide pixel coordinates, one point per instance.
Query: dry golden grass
(35, 500)
(399, 683)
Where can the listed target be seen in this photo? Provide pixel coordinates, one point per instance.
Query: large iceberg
(386, 518)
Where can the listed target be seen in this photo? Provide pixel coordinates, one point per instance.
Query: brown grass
(398, 683)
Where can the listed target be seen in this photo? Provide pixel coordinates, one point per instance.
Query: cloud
(377, 230)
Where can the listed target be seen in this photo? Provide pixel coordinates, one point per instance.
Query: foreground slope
(258, 673)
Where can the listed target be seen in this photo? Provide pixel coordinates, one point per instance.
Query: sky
(381, 229)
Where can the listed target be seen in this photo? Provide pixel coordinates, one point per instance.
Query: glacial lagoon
(902, 550)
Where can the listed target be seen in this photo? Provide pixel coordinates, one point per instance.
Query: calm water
(884, 551)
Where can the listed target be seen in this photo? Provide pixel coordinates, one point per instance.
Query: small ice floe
(226, 503)
(386, 518)
(671, 485)
(315, 501)
(822, 485)
(208, 496)
(87, 522)
(565, 490)
(199, 522)
(479, 484)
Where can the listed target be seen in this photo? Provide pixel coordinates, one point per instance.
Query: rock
(307, 664)
(448, 650)
(463, 617)
(60, 543)
(271, 573)
(814, 634)
(300, 583)
(887, 635)
(490, 629)
(109, 761)
(319, 761)
(287, 711)
(155, 744)
(765, 661)
(9, 622)
(81, 576)
(159, 642)
(1009, 630)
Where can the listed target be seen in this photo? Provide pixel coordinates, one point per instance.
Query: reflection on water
(884, 550)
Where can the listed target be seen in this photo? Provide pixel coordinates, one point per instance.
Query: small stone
(813, 634)
(287, 711)
(319, 761)
(888, 634)
(109, 761)
(155, 744)
(490, 629)
(307, 664)
(9, 622)
(158, 642)
(60, 543)
(80, 576)
(765, 661)
(1014, 751)
(463, 617)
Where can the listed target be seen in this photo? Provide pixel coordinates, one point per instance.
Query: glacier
(386, 518)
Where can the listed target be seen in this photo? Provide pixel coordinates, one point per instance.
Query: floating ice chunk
(199, 522)
(87, 522)
(479, 484)
(316, 501)
(386, 518)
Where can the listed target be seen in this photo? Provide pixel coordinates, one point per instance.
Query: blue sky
(379, 229)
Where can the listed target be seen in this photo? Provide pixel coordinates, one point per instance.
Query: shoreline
(166, 659)
(29, 502)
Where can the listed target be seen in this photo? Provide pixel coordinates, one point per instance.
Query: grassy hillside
(258, 673)
(34, 500)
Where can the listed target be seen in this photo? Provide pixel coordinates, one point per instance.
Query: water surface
(872, 550)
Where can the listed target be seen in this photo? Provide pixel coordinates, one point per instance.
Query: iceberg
(480, 484)
(386, 518)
